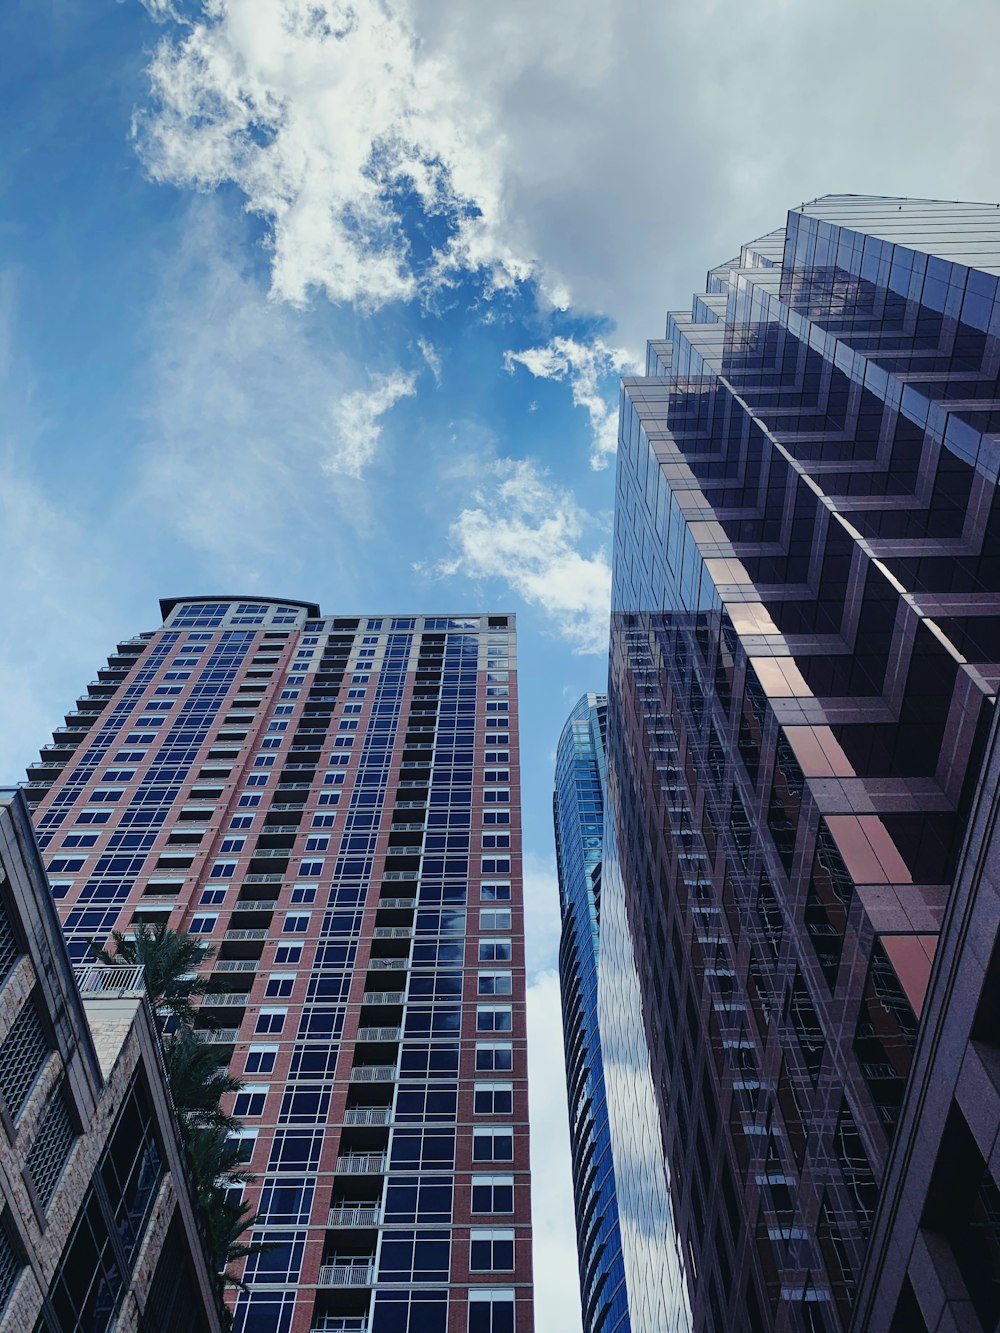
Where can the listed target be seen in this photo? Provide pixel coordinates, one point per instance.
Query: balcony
(263, 879)
(236, 965)
(368, 1115)
(244, 936)
(396, 904)
(217, 1036)
(255, 904)
(374, 1074)
(112, 982)
(361, 1163)
(388, 964)
(346, 1275)
(414, 849)
(354, 1217)
(226, 1000)
(380, 1034)
(392, 933)
(382, 997)
(272, 853)
(335, 1323)
(396, 875)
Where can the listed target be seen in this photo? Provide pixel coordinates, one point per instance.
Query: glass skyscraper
(578, 814)
(333, 804)
(805, 653)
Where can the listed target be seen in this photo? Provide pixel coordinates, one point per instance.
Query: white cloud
(557, 1282)
(356, 421)
(433, 358)
(526, 530)
(585, 365)
(330, 117)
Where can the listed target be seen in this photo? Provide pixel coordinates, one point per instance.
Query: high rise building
(578, 813)
(332, 803)
(804, 665)
(99, 1228)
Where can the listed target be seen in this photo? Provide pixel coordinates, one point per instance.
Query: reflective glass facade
(333, 804)
(804, 662)
(578, 813)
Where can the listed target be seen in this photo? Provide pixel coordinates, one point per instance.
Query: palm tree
(216, 1166)
(167, 958)
(197, 1083)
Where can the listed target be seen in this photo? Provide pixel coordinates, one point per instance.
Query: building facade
(98, 1229)
(804, 663)
(332, 803)
(578, 816)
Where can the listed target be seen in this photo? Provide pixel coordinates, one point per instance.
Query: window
(491, 1311)
(255, 780)
(66, 865)
(495, 893)
(494, 1099)
(494, 951)
(494, 983)
(233, 844)
(296, 923)
(119, 775)
(492, 1144)
(60, 887)
(107, 794)
(317, 843)
(323, 821)
(352, 708)
(496, 839)
(497, 756)
(249, 799)
(246, 1141)
(203, 923)
(498, 865)
(264, 761)
(93, 817)
(496, 795)
(279, 986)
(494, 918)
(212, 897)
(495, 1056)
(242, 821)
(491, 1251)
(496, 775)
(223, 870)
(270, 1021)
(497, 817)
(288, 953)
(494, 1018)
(303, 893)
(79, 840)
(334, 779)
(492, 1194)
(328, 797)
(310, 869)
(250, 1100)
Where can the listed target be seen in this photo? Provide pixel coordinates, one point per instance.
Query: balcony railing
(239, 936)
(362, 1163)
(401, 904)
(226, 999)
(262, 879)
(399, 874)
(368, 1115)
(346, 1275)
(382, 997)
(335, 1323)
(393, 933)
(254, 904)
(100, 979)
(388, 964)
(354, 1217)
(237, 965)
(217, 1036)
(380, 1034)
(373, 1073)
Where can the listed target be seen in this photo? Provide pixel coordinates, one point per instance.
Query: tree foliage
(169, 959)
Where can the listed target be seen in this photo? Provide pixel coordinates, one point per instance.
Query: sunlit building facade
(805, 653)
(332, 803)
(578, 815)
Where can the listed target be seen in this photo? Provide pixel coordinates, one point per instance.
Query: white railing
(373, 1073)
(367, 1115)
(393, 933)
(354, 1217)
(335, 1323)
(102, 979)
(225, 999)
(379, 1034)
(258, 933)
(220, 1036)
(399, 903)
(361, 1163)
(382, 997)
(388, 964)
(237, 965)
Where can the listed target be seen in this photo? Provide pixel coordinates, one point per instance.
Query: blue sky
(330, 301)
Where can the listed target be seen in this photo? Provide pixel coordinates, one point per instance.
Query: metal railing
(237, 965)
(400, 904)
(367, 1115)
(254, 905)
(362, 1163)
(393, 933)
(354, 1217)
(102, 979)
(380, 1034)
(258, 933)
(335, 1323)
(373, 1073)
(388, 964)
(346, 1275)
(226, 999)
(382, 997)
(217, 1036)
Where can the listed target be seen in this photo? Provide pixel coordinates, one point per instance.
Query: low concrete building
(98, 1228)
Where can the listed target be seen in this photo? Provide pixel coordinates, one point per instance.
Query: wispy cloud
(433, 358)
(357, 425)
(526, 530)
(586, 366)
(333, 120)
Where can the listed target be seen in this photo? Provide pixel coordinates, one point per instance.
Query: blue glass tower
(578, 813)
